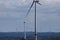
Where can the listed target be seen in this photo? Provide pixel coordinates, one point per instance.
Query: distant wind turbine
(24, 31)
(34, 2)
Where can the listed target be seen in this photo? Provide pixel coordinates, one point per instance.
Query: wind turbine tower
(34, 2)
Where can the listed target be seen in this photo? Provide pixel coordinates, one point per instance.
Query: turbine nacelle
(36, 0)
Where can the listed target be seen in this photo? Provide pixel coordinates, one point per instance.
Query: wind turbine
(24, 31)
(34, 2)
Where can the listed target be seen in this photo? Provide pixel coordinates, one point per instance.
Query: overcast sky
(12, 13)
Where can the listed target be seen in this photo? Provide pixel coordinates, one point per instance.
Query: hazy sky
(12, 13)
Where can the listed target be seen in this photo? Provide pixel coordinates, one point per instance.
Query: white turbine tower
(34, 2)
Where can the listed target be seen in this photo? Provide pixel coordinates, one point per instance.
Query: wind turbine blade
(39, 3)
(29, 9)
